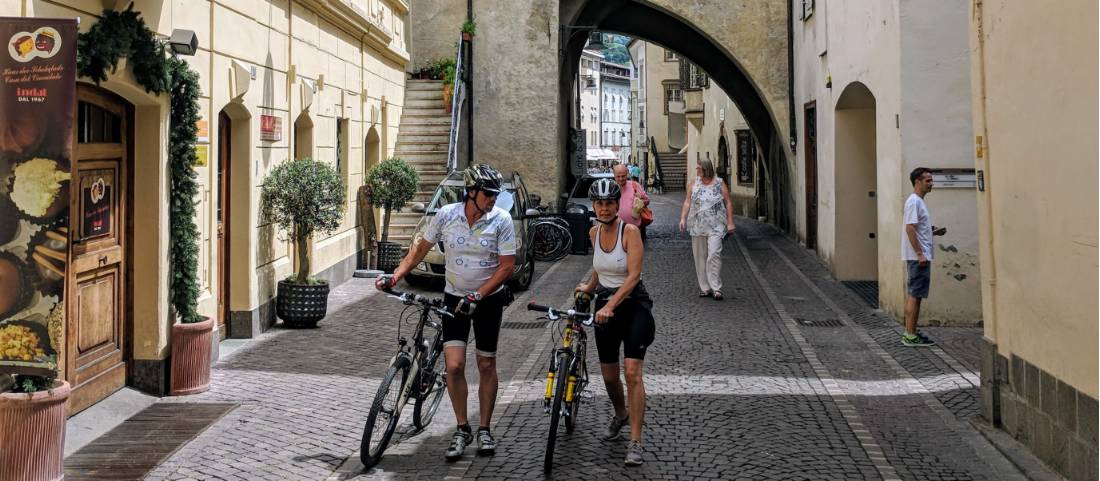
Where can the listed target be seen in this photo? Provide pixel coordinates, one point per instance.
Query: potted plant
(33, 415)
(303, 197)
(468, 29)
(448, 85)
(392, 183)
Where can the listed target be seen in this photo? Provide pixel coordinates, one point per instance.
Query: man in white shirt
(916, 249)
(480, 249)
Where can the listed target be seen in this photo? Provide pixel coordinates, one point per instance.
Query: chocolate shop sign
(37, 92)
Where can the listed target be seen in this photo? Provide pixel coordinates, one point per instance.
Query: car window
(450, 194)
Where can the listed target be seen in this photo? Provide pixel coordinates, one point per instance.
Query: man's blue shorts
(919, 278)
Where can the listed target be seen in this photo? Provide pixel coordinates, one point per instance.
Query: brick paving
(738, 389)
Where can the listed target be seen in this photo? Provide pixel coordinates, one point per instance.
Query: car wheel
(523, 281)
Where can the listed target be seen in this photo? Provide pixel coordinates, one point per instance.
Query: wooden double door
(97, 341)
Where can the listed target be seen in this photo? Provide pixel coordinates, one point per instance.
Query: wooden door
(97, 329)
(225, 131)
(811, 174)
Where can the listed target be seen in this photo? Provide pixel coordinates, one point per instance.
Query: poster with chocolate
(37, 98)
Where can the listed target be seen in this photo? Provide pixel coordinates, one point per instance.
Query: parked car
(514, 199)
(577, 202)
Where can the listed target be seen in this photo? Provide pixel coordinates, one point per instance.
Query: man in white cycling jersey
(479, 243)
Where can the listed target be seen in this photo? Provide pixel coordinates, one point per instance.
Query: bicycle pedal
(587, 395)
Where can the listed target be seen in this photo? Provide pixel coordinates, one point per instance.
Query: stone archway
(703, 35)
(856, 191)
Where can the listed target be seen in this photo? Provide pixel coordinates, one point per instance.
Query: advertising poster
(37, 92)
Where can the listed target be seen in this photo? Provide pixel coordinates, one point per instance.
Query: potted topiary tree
(303, 197)
(392, 183)
(33, 415)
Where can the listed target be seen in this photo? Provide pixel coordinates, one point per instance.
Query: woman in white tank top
(623, 312)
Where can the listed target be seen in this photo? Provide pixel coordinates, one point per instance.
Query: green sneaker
(916, 340)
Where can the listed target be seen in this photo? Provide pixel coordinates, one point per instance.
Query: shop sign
(271, 128)
(96, 204)
(202, 131)
(202, 155)
(37, 94)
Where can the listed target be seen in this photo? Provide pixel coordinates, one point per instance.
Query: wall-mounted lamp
(828, 81)
(183, 42)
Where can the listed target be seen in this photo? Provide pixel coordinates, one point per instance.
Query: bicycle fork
(556, 370)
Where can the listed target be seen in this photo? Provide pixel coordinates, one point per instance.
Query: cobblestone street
(791, 377)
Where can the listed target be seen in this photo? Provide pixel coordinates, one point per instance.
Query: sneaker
(458, 444)
(916, 340)
(486, 445)
(614, 427)
(633, 454)
(718, 295)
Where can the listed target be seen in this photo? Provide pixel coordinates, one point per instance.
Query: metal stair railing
(458, 102)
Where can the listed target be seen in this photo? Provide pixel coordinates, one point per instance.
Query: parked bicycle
(567, 376)
(551, 240)
(417, 371)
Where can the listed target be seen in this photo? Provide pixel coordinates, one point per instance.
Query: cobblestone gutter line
(851, 416)
(973, 438)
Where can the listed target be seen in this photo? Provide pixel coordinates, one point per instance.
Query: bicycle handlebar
(571, 314)
(409, 298)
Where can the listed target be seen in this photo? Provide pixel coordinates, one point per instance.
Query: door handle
(103, 260)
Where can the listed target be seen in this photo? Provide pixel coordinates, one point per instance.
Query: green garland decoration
(125, 34)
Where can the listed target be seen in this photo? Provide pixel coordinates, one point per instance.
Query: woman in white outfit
(707, 215)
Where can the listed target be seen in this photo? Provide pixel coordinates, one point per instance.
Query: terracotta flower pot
(448, 97)
(191, 357)
(32, 434)
(467, 36)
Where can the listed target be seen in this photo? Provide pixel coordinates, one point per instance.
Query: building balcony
(676, 107)
(693, 101)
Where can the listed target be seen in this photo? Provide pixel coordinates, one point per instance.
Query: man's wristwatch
(477, 296)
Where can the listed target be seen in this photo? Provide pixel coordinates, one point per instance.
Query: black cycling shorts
(632, 326)
(486, 322)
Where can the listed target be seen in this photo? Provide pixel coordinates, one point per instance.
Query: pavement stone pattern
(731, 391)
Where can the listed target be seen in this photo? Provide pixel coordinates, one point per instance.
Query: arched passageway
(855, 178)
(646, 21)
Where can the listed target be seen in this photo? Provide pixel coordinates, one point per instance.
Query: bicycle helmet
(483, 177)
(604, 189)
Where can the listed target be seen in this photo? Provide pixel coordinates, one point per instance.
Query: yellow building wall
(1038, 213)
(286, 43)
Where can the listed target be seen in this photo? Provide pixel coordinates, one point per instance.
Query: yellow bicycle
(567, 376)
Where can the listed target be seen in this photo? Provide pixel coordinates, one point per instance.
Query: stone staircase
(674, 167)
(421, 141)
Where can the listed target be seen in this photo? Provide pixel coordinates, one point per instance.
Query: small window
(671, 56)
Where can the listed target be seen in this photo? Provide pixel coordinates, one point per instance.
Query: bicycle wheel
(433, 385)
(561, 383)
(384, 413)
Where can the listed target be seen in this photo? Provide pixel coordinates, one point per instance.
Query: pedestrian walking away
(707, 214)
(480, 254)
(623, 313)
(634, 198)
(916, 249)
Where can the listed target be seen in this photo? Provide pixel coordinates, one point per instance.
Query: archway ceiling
(643, 21)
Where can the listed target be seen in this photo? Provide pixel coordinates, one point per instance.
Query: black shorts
(486, 322)
(632, 326)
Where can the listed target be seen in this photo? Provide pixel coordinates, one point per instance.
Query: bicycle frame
(416, 354)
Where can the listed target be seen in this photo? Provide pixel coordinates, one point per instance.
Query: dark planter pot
(191, 345)
(389, 256)
(301, 305)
